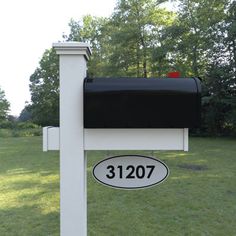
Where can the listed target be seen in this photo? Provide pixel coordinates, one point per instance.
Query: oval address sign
(130, 171)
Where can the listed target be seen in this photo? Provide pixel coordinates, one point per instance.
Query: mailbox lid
(141, 102)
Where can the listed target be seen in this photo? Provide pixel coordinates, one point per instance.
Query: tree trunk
(195, 64)
(144, 58)
(159, 68)
(234, 53)
(137, 61)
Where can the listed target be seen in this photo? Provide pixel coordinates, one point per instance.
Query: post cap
(73, 48)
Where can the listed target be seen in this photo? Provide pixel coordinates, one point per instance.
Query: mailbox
(142, 102)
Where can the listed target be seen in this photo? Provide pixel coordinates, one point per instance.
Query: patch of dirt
(193, 167)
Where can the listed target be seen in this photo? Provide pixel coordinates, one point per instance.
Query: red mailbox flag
(175, 74)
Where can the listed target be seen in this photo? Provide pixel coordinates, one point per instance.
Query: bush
(26, 125)
(6, 124)
(19, 129)
(4, 133)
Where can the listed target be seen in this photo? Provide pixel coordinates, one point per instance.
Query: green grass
(198, 198)
(29, 188)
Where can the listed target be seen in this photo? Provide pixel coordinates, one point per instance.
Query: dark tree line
(143, 39)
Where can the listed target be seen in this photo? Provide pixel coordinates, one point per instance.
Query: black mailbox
(142, 103)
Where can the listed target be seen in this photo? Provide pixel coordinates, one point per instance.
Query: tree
(94, 31)
(230, 27)
(4, 106)
(129, 43)
(44, 88)
(219, 103)
(137, 33)
(25, 114)
(142, 39)
(194, 33)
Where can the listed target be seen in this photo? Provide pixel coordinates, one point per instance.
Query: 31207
(130, 171)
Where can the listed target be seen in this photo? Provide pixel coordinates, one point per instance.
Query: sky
(27, 28)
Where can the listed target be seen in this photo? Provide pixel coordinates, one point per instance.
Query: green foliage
(219, 103)
(198, 198)
(20, 129)
(4, 106)
(25, 114)
(44, 88)
(194, 33)
(143, 39)
(14, 132)
(136, 38)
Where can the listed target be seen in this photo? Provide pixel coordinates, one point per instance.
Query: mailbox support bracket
(123, 139)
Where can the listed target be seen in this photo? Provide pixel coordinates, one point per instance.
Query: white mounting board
(124, 139)
(136, 139)
(51, 138)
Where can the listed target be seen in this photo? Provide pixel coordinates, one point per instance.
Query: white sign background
(130, 171)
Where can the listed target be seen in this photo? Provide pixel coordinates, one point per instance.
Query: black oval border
(134, 188)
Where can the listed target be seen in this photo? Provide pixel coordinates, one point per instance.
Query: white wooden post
(186, 140)
(45, 139)
(73, 199)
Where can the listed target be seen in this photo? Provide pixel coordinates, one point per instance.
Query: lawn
(198, 198)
